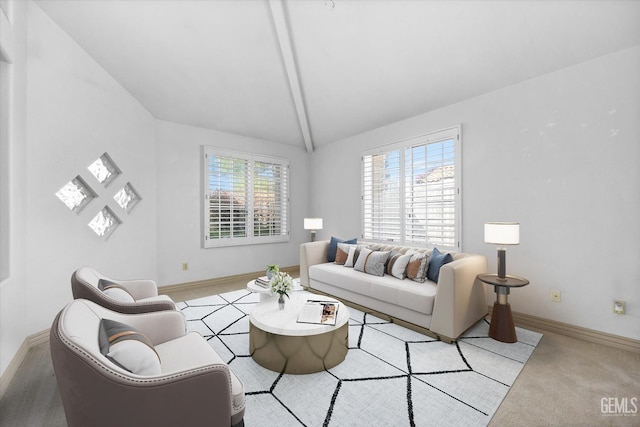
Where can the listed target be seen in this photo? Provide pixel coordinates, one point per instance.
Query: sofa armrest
(311, 253)
(461, 298)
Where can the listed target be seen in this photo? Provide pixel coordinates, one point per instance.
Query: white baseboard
(540, 324)
(21, 354)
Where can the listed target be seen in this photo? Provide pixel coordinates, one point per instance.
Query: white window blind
(382, 196)
(246, 198)
(411, 191)
(270, 194)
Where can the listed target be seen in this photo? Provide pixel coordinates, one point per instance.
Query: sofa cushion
(437, 260)
(333, 247)
(404, 293)
(128, 348)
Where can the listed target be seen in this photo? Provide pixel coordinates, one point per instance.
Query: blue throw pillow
(333, 247)
(436, 261)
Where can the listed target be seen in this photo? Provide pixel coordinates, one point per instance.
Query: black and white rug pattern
(392, 376)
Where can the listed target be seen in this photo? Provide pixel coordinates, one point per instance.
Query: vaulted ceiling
(308, 73)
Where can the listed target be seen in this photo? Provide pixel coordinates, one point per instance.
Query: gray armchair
(194, 387)
(140, 296)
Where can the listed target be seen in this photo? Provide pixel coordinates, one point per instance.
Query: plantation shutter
(227, 196)
(270, 198)
(430, 193)
(411, 191)
(381, 201)
(246, 198)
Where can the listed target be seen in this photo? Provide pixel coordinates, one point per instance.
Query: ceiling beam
(284, 39)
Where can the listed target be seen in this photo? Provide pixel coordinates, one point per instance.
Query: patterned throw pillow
(128, 348)
(397, 265)
(342, 253)
(417, 267)
(333, 247)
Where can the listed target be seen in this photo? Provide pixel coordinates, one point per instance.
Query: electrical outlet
(555, 296)
(619, 306)
(185, 266)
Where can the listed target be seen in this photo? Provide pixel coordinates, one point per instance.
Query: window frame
(250, 237)
(401, 238)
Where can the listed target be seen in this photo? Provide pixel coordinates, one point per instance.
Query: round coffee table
(279, 343)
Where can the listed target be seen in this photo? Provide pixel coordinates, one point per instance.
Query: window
(411, 191)
(104, 169)
(105, 223)
(76, 194)
(246, 198)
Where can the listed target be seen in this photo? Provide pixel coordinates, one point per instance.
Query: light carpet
(392, 376)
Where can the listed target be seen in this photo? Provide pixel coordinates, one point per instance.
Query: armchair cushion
(128, 348)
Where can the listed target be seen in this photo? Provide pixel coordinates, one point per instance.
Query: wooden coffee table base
(502, 327)
(298, 354)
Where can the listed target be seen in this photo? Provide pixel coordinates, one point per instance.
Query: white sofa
(446, 309)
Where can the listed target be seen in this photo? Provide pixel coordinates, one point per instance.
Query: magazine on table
(263, 281)
(319, 312)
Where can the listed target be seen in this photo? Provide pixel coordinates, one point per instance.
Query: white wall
(179, 178)
(559, 154)
(76, 112)
(14, 174)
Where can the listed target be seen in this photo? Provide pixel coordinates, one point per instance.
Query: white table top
(267, 316)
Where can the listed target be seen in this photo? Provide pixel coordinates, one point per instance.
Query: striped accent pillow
(128, 348)
(397, 265)
(115, 291)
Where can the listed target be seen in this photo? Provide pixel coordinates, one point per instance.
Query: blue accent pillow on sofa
(436, 261)
(333, 247)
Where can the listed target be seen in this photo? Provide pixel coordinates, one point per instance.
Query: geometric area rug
(392, 376)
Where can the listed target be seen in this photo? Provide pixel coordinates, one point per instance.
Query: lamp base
(313, 235)
(502, 264)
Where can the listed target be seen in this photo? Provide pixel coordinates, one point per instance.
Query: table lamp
(313, 224)
(502, 233)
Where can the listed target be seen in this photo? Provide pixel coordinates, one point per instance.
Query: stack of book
(263, 281)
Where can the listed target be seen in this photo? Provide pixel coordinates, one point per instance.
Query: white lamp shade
(502, 233)
(313, 223)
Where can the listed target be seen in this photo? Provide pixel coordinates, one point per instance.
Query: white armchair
(123, 296)
(194, 386)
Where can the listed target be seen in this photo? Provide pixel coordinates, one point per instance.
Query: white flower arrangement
(281, 283)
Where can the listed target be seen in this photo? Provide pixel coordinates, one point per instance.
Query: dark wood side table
(502, 327)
